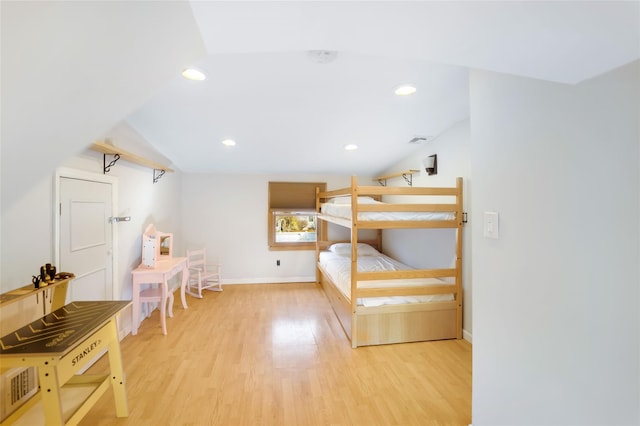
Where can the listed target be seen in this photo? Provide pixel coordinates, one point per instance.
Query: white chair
(201, 278)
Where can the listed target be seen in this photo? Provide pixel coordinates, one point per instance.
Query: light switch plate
(491, 225)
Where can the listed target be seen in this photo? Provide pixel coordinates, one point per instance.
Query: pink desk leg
(136, 307)
(163, 306)
(170, 302)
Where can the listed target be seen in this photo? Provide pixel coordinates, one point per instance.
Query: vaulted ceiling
(72, 70)
(289, 113)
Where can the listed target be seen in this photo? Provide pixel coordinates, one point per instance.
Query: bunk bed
(379, 300)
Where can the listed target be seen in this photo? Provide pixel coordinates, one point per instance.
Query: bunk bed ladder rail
(461, 219)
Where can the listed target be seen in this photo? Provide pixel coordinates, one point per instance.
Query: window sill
(292, 247)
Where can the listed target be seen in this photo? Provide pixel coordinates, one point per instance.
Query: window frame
(294, 197)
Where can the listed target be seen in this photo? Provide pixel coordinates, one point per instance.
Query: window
(292, 216)
(295, 227)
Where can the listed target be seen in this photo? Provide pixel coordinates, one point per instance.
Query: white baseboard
(272, 280)
(467, 336)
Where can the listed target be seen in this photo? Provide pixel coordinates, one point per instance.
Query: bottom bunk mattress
(338, 267)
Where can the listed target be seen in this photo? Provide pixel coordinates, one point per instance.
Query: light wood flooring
(275, 354)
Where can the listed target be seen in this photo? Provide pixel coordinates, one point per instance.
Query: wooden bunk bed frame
(387, 324)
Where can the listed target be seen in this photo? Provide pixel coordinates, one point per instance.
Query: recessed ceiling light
(350, 147)
(405, 90)
(193, 74)
(229, 142)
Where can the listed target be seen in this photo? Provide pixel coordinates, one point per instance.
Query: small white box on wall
(156, 246)
(491, 225)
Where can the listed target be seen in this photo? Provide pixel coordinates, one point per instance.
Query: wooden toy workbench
(60, 345)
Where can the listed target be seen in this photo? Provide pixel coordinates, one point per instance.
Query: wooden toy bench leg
(50, 393)
(117, 372)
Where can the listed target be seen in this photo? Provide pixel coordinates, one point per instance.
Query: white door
(86, 241)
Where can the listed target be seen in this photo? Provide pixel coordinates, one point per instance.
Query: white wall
(227, 214)
(556, 298)
(138, 197)
(436, 248)
(72, 70)
(27, 225)
(49, 114)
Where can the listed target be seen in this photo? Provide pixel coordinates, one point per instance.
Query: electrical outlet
(278, 262)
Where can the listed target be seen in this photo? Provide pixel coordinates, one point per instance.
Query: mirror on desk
(156, 246)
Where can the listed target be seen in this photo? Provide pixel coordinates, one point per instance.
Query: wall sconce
(431, 164)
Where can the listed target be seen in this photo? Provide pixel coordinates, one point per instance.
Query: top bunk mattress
(341, 207)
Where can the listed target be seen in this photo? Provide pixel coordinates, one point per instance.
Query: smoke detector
(322, 56)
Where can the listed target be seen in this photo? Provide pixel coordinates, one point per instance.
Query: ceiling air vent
(421, 139)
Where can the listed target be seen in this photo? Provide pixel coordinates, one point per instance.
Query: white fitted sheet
(344, 211)
(339, 269)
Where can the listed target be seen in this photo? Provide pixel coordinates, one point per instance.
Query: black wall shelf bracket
(408, 177)
(106, 168)
(157, 174)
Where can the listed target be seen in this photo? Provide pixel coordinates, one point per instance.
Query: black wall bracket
(157, 174)
(408, 177)
(106, 168)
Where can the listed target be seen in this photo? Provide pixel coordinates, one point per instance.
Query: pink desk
(161, 274)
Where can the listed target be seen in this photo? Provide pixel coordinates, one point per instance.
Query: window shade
(294, 195)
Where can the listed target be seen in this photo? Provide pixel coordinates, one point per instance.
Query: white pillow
(344, 249)
(347, 200)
